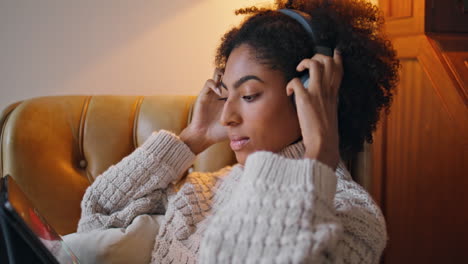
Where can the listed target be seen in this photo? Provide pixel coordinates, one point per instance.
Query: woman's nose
(230, 115)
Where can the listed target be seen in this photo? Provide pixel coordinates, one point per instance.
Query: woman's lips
(238, 143)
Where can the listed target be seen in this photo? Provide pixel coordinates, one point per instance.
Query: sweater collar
(293, 151)
(296, 151)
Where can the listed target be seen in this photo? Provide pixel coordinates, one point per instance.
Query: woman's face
(257, 112)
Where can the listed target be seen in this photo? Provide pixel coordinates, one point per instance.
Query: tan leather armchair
(55, 147)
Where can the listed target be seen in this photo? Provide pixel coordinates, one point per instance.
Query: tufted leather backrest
(56, 146)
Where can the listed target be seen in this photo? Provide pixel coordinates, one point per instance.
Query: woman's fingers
(316, 106)
(328, 72)
(217, 75)
(327, 67)
(325, 73)
(214, 86)
(303, 104)
(295, 86)
(208, 87)
(338, 72)
(315, 69)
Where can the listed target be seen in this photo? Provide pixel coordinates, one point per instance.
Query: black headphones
(315, 29)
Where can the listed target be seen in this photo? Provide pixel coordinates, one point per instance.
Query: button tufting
(83, 164)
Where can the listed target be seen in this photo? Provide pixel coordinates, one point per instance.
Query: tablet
(25, 235)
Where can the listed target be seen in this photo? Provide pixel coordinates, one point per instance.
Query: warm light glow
(89, 47)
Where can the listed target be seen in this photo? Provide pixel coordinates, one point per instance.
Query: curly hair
(369, 60)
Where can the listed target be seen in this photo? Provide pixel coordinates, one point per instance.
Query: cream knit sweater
(279, 208)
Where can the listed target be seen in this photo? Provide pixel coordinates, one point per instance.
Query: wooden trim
(440, 75)
(426, 51)
(403, 12)
(433, 62)
(404, 25)
(453, 52)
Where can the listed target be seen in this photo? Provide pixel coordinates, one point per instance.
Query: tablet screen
(32, 218)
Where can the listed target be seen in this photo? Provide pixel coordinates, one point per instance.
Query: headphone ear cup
(305, 80)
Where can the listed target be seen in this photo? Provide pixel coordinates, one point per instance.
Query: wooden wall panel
(398, 9)
(420, 151)
(454, 53)
(425, 164)
(403, 17)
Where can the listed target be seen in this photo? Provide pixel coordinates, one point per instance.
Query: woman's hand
(205, 129)
(317, 106)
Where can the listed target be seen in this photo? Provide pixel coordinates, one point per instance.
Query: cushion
(133, 244)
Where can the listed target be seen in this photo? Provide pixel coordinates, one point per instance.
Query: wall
(53, 47)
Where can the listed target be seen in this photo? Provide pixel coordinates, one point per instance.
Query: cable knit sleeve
(136, 185)
(365, 234)
(282, 211)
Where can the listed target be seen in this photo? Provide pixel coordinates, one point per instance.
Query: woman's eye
(249, 98)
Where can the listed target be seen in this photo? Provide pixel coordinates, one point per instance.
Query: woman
(289, 199)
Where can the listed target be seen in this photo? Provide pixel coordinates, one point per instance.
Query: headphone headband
(305, 21)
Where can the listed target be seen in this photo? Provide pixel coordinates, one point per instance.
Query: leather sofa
(55, 147)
